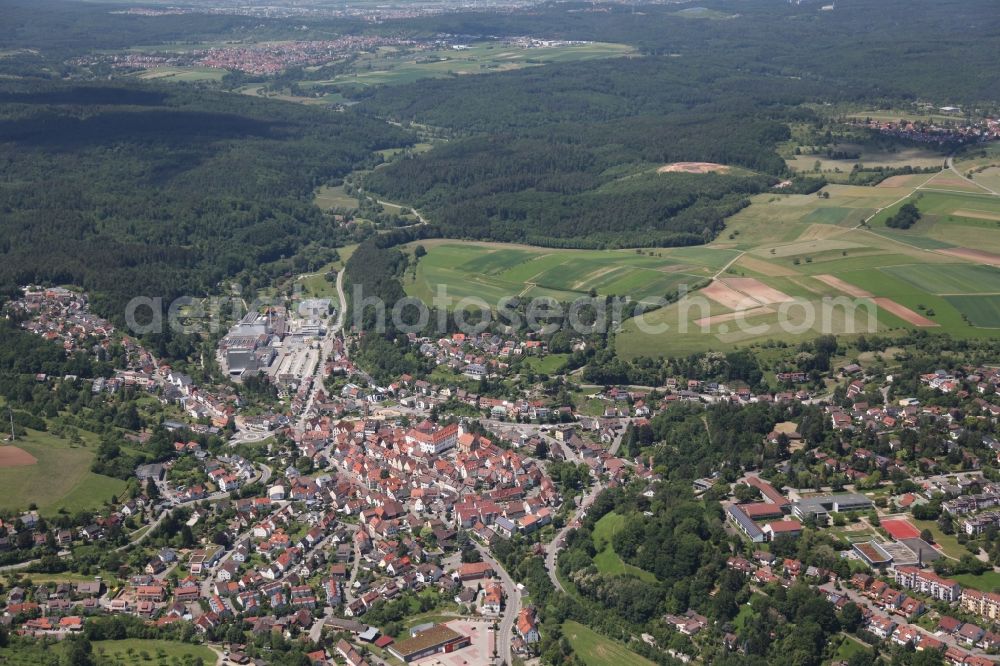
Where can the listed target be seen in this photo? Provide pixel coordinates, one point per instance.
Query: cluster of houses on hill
(979, 131)
(476, 356)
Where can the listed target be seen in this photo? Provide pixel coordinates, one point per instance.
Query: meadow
(60, 479)
(607, 560)
(328, 197)
(130, 652)
(596, 650)
(869, 157)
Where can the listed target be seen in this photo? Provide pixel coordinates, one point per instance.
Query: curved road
(511, 610)
(950, 163)
(553, 547)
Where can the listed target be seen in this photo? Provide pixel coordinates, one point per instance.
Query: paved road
(511, 610)
(355, 567)
(325, 347)
(553, 547)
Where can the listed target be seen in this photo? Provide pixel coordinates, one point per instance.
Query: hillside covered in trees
(550, 155)
(163, 192)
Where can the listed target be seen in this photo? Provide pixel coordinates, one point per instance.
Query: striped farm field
(950, 278)
(492, 271)
(983, 311)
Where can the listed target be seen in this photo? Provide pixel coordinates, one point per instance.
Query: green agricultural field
(915, 157)
(492, 271)
(154, 652)
(596, 650)
(982, 311)
(184, 74)
(947, 208)
(950, 278)
(60, 479)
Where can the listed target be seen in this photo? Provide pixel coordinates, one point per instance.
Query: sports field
(900, 529)
(60, 477)
(492, 271)
(596, 650)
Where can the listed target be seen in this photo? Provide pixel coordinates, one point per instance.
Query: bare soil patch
(13, 456)
(979, 256)
(845, 287)
(758, 291)
(693, 167)
(725, 295)
(905, 313)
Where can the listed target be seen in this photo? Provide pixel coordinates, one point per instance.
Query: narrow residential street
(510, 611)
(862, 600)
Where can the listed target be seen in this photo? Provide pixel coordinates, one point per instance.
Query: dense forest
(924, 49)
(549, 155)
(150, 191)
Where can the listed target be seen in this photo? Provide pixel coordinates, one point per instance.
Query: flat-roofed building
(821, 506)
(438, 639)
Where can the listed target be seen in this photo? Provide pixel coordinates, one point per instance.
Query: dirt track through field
(13, 456)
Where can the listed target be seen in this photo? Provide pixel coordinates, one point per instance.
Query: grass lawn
(848, 648)
(746, 612)
(596, 650)
(546, 365)
(949, 544)
(985, 582)
(60, 479)
(607, 560)
(160, 653)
